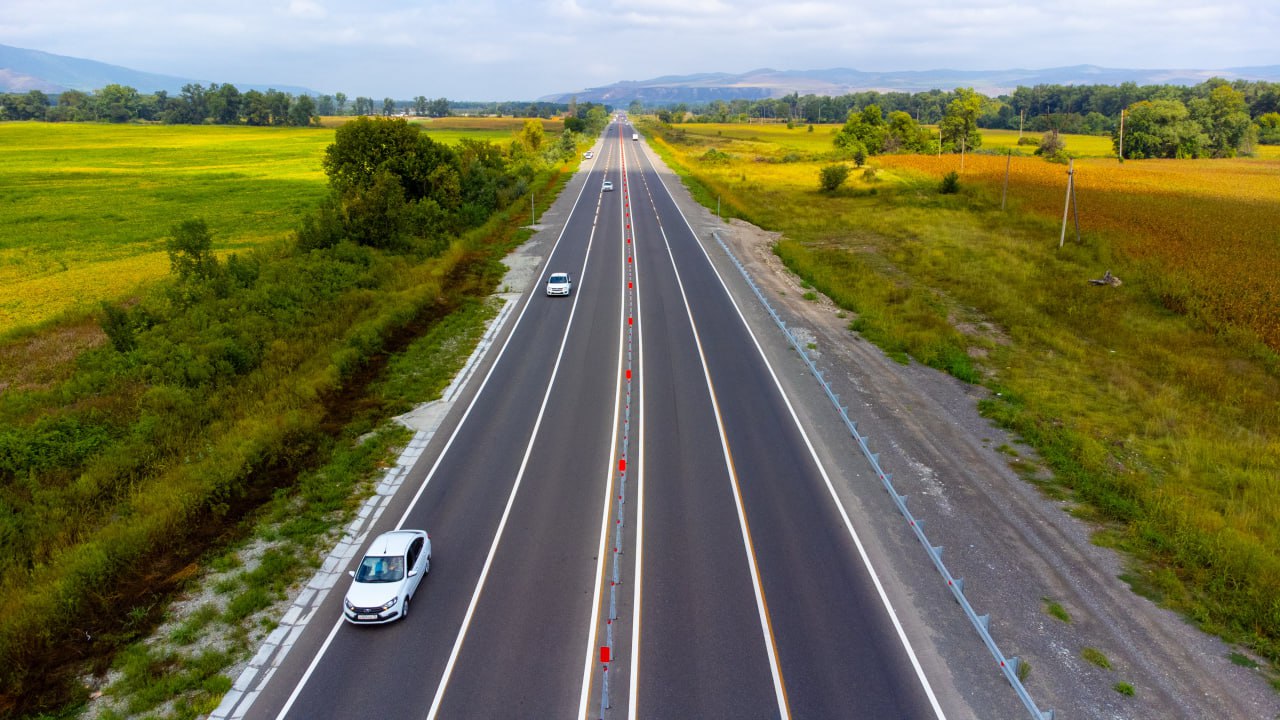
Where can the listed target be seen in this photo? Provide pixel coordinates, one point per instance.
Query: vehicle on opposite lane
(389, 574)
(559, 283)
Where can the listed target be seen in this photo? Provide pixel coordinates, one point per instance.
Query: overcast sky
(523, 49)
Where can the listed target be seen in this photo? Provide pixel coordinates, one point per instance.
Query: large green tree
(1161, 129)
(1225, 119)
(960, 123)
(904, 135)
(865, 129)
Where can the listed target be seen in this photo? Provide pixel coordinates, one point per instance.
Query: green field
(1156, 405)
(87, 206)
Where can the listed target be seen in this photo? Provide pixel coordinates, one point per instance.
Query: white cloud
(521, 49)
(306, 9)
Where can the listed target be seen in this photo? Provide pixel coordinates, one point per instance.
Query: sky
(525, 49)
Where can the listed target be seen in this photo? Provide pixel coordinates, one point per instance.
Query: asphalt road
(743, 591)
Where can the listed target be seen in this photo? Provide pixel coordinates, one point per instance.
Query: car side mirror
(352, 573)
(413, 573)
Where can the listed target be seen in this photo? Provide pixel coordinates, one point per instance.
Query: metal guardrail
(981, 623)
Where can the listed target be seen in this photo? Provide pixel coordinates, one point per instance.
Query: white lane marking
(813, 453)
(297, 690)
(638, 582)
(766, 626)
(601, 554)
(515, 488)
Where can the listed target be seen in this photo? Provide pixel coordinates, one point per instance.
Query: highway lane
(702, 650)
(839, 650)
(394, 671)
(523, 652)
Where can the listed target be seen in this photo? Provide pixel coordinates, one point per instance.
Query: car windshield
(381, 568)
(559, 278)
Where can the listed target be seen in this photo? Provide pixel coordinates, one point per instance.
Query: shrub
(832, 177)
(950, 183)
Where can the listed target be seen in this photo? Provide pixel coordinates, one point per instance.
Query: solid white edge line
(601, 554)
(515, 488)
(766, 626)
(297, 690)
(813, 453)
(634, 688)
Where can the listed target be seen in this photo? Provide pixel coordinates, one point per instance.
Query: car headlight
(347, 602)
(389, 605)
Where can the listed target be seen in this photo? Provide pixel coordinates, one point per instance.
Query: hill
(766, 83)
(23, 70)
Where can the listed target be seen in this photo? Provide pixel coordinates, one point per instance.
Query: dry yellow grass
(1214, 223)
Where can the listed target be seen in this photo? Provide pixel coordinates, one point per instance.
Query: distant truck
(635, 136)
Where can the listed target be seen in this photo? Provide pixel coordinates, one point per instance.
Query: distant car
(608, 185)
(588, 155)
(635, 136)
(389, 574)
(559, 284)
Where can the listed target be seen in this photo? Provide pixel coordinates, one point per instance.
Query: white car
(559, 284)
(390, 572)
(588, 155)
(608, 185)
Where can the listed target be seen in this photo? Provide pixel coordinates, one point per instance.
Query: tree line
(1212, 118)
(225, 104)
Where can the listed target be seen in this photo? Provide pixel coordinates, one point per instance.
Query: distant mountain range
(767, 83)
(24, 70)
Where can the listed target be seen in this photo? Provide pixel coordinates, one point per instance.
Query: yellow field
(1215, 223)
(1077, 145)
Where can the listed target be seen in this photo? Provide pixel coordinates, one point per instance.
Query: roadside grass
(1055, 609)
(1153, 404)
(1096, 657)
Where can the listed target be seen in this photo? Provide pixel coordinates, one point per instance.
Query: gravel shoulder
(1016, 548)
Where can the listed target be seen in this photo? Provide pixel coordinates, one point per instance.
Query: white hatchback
(390, 572)
(607, 186)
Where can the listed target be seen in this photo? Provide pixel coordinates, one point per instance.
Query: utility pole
(1071, 175)
(1008, 158)
(533, 210)
(1022, 116)
(1122, 112)
(962, 143)
(1075, 206)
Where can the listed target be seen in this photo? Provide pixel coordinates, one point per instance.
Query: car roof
(395, 542)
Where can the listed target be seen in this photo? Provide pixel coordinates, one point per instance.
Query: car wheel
(404, 609)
